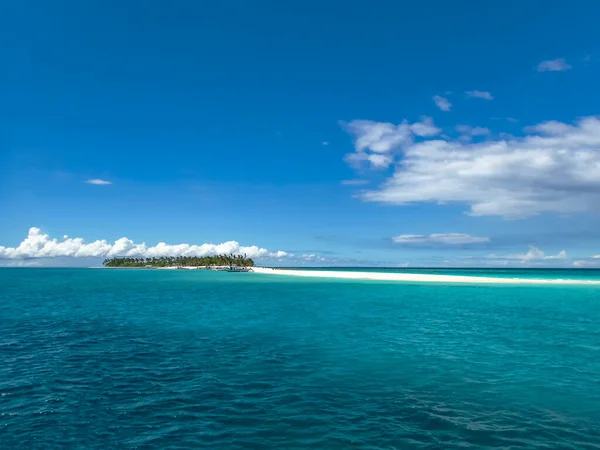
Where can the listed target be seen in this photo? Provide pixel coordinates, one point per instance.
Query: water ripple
(197, 361)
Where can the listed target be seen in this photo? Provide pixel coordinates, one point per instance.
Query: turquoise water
(191, 359)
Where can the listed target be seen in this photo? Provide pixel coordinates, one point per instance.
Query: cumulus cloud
(40, 245)
(440, 238)
(480, 94)
(376, 143)
(98, 181)
(555, 168)
(553, 65)
(442, 103)
(534, 254)
(550, 128)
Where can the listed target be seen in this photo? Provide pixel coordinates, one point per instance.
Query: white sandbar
(418, 277)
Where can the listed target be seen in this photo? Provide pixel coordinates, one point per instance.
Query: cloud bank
(440, 238)
(534, 254)
(40, 245)
(585, 264)
(553, 168)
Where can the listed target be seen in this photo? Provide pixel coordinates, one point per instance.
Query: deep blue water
(191, 359)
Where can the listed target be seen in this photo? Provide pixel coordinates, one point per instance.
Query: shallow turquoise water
(192, 359)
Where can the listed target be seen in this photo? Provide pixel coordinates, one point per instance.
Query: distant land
(182, 261)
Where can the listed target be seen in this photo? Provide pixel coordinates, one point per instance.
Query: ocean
(153, 359)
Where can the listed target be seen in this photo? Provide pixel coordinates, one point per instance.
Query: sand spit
(416, 277)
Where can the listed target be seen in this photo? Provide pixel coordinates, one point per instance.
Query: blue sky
(322, 129)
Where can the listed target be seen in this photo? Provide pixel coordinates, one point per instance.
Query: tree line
(180, 261)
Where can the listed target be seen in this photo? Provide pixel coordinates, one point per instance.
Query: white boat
(234, 268)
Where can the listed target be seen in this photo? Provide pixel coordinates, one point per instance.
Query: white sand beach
(414, 277)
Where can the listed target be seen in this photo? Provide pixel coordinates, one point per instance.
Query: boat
(234, 268)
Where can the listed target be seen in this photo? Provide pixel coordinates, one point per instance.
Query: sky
(437, 133)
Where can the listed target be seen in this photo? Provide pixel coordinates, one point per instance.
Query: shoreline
(214, 268)
(415, 277)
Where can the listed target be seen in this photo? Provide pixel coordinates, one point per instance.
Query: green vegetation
(181, 261)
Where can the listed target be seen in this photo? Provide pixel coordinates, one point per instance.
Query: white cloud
(596, 257)
(425, 128)
(378, 137)
(40, 245)
(480, 94)
(553, 65)
(376, 142)
(312, 257)
(379, 161)
(583, 264)
(324, 143)
(560, 255)
(554, 170)
(442, 103)
(316, 260)
(354, 182)
(534, 254)
(550, 128)
(98, 182)
(467, 132)
(440, 238)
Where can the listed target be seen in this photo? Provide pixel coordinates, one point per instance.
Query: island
(230, 263)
